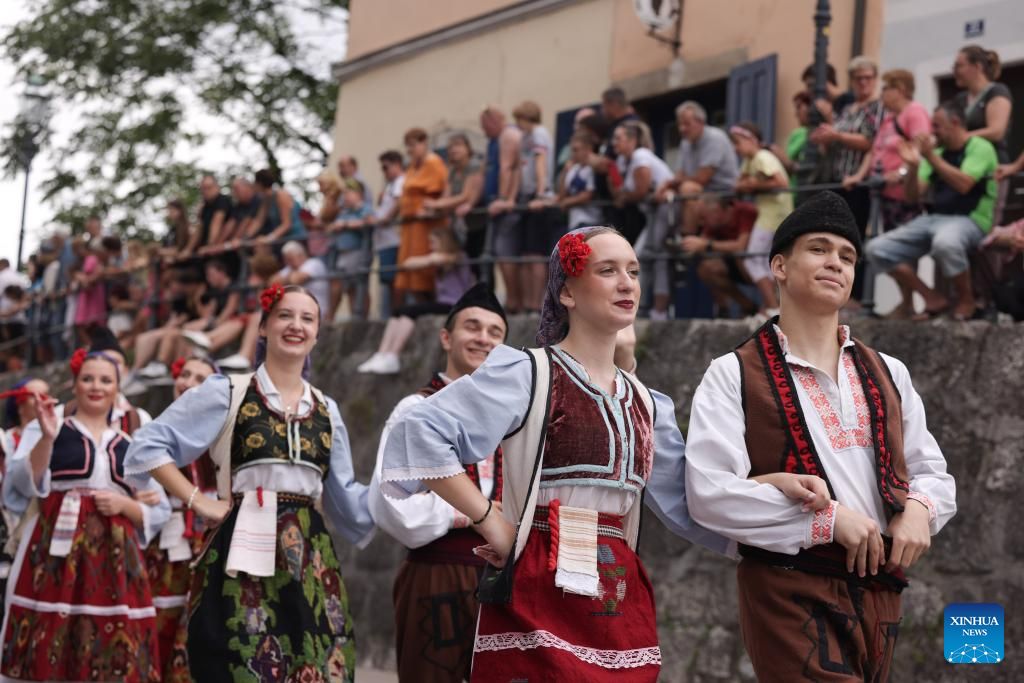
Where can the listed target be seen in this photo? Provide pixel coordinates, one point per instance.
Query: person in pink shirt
(92, 292)
(903, 120)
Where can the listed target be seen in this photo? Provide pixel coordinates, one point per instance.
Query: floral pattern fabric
(50, 636)
(293, 626)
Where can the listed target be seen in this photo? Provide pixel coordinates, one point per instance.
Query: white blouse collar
(273, 396)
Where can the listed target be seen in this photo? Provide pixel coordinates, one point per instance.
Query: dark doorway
(659, 112)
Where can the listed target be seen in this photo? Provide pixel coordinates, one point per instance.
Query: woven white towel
(254, 541)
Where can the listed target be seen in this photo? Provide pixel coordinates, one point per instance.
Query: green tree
(149, 81)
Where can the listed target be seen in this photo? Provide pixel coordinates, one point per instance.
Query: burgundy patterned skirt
(546, 633)
(85, 617)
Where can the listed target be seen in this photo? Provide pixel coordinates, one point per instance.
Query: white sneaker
(367, 365)
(234, 362)
(387, 365)
(197, 339)
(133, 386)
(154, 370)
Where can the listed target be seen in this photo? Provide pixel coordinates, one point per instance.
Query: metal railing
(37, 334)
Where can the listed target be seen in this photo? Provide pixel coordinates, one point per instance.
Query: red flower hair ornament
(270, 296)
(177, 367)
(572, 253)
(77, 359)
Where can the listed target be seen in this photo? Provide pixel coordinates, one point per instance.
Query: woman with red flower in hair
(267, 601)
(79, 603)
(565, 596)
(169, 558)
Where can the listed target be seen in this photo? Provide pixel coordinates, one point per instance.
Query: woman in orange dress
(425, 178)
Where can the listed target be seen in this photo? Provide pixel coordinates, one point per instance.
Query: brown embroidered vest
(261, 435)
(778, 440)
(777, 437)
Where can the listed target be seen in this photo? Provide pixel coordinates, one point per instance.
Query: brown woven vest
(776, 430)
(778, 440)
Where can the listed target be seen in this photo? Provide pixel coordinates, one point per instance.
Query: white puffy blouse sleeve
(183, 432)
(718, 492)
(461, 424)
(345, 500)
(419, 519)
(930, 483)
(666, 488)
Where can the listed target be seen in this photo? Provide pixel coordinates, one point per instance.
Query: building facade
(436, 65)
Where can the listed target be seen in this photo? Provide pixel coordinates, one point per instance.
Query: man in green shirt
(959, 174)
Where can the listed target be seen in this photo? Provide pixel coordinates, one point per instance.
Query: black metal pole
(822, 19)
(25, 207)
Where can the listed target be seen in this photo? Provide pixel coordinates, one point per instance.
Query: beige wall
(763, 27)
(376, 24)
(548, 59)
(565, 58)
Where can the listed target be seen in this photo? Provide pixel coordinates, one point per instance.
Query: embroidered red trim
(822, 524)
(926, 501)
(839, 436)
(573, 252)
(553, 526)
(888, 479)
(259, 495)
(802, 461)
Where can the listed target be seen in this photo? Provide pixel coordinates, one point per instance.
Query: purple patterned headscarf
(554, 318)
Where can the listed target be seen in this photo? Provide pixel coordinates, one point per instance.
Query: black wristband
(490, 504)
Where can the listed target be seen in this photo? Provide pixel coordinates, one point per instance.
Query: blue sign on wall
(974, 29)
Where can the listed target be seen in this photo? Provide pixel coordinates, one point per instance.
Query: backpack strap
(220, 451)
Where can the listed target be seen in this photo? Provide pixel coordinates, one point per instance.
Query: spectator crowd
(439, 217)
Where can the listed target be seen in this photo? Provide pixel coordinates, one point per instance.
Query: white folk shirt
(424, 517)
(723, 499)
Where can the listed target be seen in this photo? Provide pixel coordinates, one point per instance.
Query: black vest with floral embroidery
(262, 435)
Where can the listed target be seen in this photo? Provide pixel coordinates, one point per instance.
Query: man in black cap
(434, 592)
(803, 405)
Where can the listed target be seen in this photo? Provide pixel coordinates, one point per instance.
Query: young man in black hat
(802, 403)
(434, 592)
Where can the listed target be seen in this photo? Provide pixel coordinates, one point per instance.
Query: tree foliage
(149, 81)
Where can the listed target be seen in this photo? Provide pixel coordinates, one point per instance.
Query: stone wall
(971, 377)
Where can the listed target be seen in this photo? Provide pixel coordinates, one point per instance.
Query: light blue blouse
(466, 420)
(190, 425)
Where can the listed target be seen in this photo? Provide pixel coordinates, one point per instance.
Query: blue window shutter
(751, 95)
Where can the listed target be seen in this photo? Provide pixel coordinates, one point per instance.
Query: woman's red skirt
(547, 634)
(85, 617)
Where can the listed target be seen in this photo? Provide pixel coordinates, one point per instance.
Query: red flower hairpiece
(573, 252)
(177, 366)
(270, 296)
(77, 359)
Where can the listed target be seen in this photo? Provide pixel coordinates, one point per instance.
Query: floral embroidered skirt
(293, 626)
(85, 617)
(170, 583)
(547, 634)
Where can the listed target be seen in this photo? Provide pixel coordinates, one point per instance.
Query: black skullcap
(823, 212)
(477, 296)
(104, 340)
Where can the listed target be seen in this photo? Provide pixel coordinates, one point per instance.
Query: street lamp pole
(822, 19)
(32, 122)
(28, 151)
